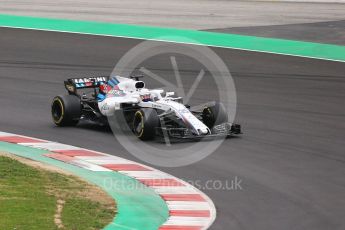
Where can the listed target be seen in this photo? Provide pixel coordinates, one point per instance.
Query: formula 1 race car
(148, 113)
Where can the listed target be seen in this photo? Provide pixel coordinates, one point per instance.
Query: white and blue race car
(148, 112)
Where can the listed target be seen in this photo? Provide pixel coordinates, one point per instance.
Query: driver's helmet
(145, 97)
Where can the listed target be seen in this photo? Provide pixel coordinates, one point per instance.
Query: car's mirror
(169, 94)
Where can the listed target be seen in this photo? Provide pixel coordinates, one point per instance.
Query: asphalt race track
(330, 32)
(291, 158)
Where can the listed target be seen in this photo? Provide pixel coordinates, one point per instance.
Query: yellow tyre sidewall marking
(62, 110)
(208, 110)
(139, 113)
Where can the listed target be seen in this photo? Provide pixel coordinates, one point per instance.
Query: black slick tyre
(144, 124)
(214, 115)
(66, 110)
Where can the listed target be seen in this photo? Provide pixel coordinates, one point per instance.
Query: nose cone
(203, 131)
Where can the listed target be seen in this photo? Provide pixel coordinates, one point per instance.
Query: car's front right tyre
(145, 122)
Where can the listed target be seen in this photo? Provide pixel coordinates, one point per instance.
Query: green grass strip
(251, 43)
(28, 199)
(138, 207)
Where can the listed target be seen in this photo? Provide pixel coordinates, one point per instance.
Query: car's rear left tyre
(214, 115)
(66, 110)
(144, 124)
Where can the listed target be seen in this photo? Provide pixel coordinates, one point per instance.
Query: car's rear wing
(73, 84)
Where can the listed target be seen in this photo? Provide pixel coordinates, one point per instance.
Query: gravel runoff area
(191, 14)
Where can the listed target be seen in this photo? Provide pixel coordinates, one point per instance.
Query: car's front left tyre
(66, 110)
(214, 115)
